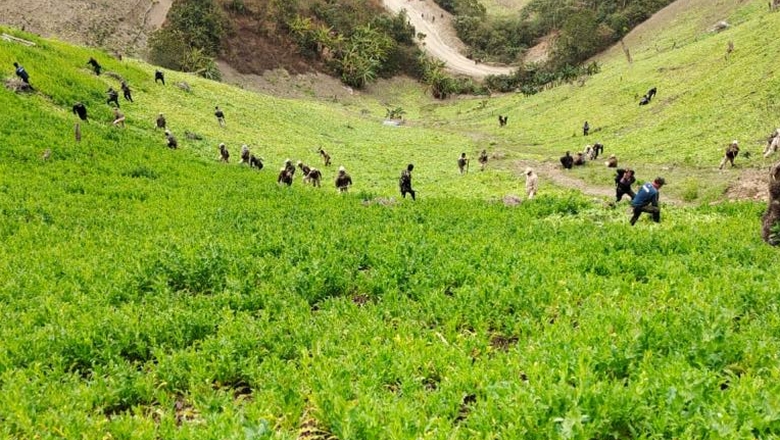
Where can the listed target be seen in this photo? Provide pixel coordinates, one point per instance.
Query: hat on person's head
(659, 181)
(529, 170)
(341, 168)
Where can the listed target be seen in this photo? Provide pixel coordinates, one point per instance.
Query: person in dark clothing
(343, 180)
(81, 110)
(127, 92)
(463, 163)
(161, 122)
(567, 161)
(646, 200)
(731, 153)
(220, 116)
(172, 142)
(284, 178)
(585, 128)
(623, 181)
(405, 182)
(598, 148)
(95, 66)
(483, 160)
(245, 155)
(224, 154)
(288, 165)
(651, 93)
(113, 96)
(159, 76)
(21, 73)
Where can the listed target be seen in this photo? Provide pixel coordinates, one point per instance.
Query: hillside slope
(155, 293)
(704, 101)
(441, 41)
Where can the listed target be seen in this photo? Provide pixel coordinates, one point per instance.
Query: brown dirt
(745, 184)
(559, 177)
(253, 48)
(120, 26)
(279, 82)
(751, 184)
(440, 39)
(541, 51)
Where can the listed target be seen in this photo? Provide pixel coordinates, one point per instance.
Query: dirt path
(744, 184)
(440, 40)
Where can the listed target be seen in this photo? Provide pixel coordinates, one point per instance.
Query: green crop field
(151, 293)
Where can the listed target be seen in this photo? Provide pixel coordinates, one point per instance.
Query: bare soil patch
(281, 83)
(752, 184)
(440, 39)
(120, 26)
(541, 51)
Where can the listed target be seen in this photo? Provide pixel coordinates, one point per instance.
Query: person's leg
(635, 216)
(654, 211)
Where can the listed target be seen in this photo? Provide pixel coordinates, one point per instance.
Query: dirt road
(440, 40)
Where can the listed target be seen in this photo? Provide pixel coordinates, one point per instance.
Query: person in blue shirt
(646, 200)
(21, 73)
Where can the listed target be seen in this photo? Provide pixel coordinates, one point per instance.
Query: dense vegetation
(578, 30)
(191, 38)
(359, 42)
(583, 28)
(355, 40)
(151, 293)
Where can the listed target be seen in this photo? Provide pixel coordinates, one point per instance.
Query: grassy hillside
(149, 293)
(704, 101)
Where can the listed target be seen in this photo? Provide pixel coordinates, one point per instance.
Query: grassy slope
(504, 7)
(145, 289)
(704, 101)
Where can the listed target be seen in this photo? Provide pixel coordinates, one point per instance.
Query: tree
(363, 55)
(579, 39)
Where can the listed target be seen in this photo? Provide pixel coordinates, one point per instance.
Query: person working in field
(21, 73)
(95, 65)
(731, 153)
(531, 183)
(343, 180)
(463, 163)
(405, 182)
(623, 181)
(646, 200)
(483, 160)
(119, 118)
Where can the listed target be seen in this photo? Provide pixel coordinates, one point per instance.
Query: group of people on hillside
(645, 200)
